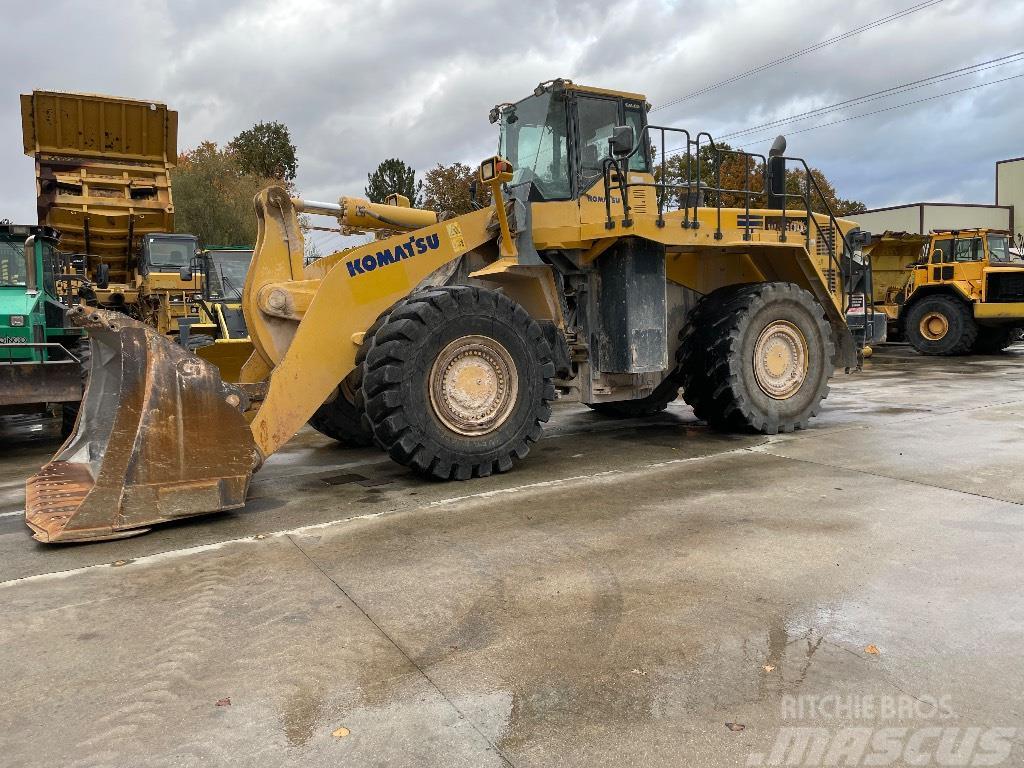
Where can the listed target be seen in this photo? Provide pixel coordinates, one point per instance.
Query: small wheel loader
(445, 340)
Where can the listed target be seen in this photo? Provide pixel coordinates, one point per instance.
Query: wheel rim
(780, 360)
(934, 326)
(473, 385)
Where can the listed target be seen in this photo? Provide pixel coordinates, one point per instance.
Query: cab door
(968, 261)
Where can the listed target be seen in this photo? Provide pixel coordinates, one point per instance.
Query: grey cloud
(360, 83)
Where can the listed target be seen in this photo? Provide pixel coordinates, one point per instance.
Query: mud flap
(159, 436)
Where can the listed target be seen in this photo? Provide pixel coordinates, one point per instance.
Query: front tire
(757, 357)
(940, 325)
(458, 383)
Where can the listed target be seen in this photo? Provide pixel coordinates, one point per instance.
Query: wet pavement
(629, 590)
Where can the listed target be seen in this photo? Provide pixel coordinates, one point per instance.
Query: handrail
(615, 176)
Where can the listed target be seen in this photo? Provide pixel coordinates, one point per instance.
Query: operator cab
(558, 139)
(992, 247)
(168, 253)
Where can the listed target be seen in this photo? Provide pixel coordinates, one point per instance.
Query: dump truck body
(949, 292)
(447, 337)
(103, 180)
(102, 174)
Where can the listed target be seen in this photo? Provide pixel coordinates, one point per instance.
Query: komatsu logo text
(388, 256)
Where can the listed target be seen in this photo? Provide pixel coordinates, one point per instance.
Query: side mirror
(621, 141)
(185, 274)
(103, 276)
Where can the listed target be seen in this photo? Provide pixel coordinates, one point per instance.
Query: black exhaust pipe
(777, 173)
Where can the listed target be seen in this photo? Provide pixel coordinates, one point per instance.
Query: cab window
(49, 269)
(943, 251)
(969, 249)
(597, 118)
(534, 137)
(635, 120)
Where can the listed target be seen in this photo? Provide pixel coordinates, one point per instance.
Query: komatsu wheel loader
(445, 339)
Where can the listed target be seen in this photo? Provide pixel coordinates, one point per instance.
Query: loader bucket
(159, 437)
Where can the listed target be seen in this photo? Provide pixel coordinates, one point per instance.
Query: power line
(888, 109)
(797, 54)
(1012, 58)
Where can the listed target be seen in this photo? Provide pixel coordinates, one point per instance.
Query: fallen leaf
(872, 650)
(638, 672)
(735, 726)
(340, 732)
(225, 702)
(119, 563)
(768, 667)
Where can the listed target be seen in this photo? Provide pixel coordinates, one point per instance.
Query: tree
(393, 176)
(266, 150)
(213, 196)
(447, 188)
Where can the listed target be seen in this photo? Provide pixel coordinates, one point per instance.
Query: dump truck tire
(344, 418)
(69, 411)
(992, 341)
(458, 383)
(940, 325)
(756, 357)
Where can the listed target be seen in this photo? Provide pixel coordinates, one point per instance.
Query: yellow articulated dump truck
(446, 339)
(951, 292)
(102, 168)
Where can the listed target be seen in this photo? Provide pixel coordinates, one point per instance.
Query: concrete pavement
(626, 592)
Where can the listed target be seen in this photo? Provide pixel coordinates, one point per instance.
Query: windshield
(12, 262)
(534, 138)
(170, 254)
(999, 249)
(227, 274)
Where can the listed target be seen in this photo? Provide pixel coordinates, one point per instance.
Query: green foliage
(391, 177)
(213, 196)
(266, 150)
(446, 189)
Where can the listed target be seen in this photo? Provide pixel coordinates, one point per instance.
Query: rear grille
(1005, 287)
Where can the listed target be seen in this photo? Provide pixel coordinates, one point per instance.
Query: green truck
(42, 362)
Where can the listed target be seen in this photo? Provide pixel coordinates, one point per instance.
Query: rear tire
(756, 357)
(458, 383)
(992, 341)
(940, 325)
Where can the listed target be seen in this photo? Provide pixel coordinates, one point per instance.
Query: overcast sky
(359, 82)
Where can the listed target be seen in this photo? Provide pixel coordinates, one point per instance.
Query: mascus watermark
(863, 733)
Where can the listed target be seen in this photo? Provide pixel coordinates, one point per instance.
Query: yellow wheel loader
(445, 339)
(952, 292)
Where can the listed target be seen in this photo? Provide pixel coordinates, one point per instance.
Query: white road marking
(252, 538)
